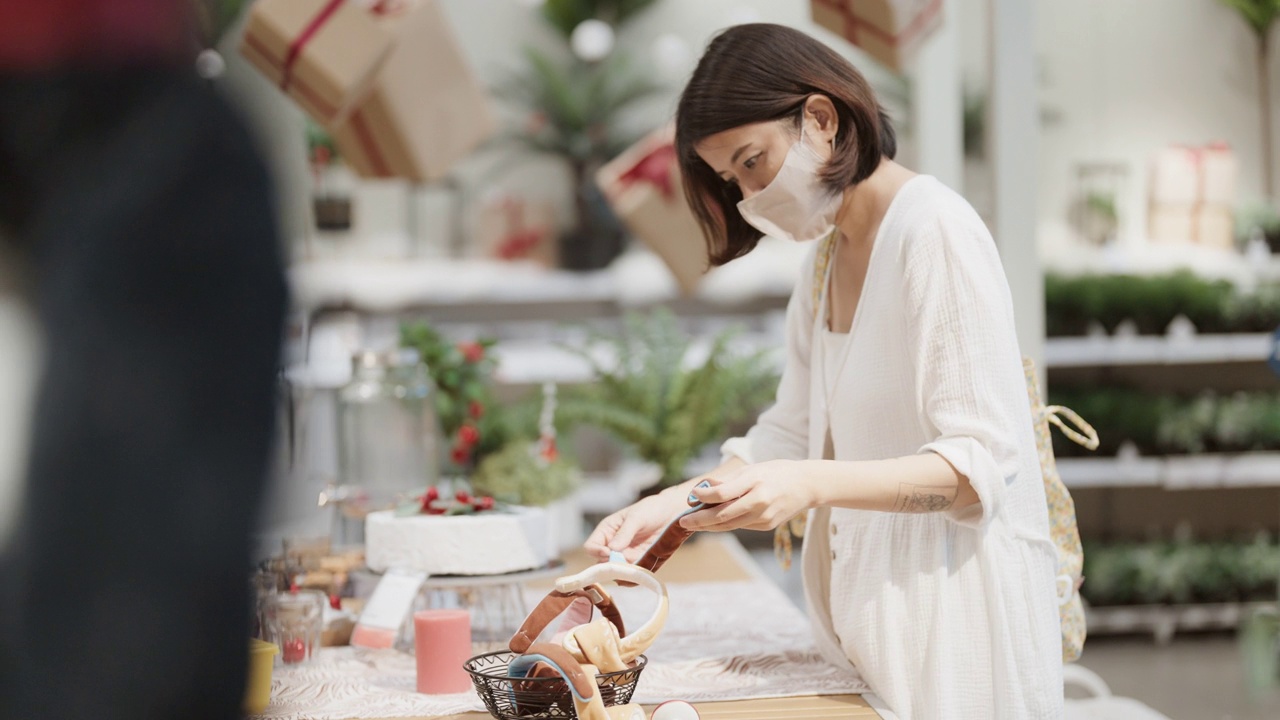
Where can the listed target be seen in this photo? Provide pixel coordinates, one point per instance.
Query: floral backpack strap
(782, 535)
(1086, 436)
(1063, 530)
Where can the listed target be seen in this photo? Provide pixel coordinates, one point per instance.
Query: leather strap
(556, 602)
(584, 685)
(672, 537)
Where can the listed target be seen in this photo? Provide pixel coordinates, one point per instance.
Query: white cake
(487, 543)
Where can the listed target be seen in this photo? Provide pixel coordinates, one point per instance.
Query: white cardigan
(945, 615)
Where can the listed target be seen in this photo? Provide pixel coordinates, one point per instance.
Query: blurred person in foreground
(144, 219)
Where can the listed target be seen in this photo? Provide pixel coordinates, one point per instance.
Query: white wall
(1126, 77)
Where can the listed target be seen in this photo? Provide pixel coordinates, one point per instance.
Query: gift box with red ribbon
(1192, 194)
(513, 229)
(643, 187)
(426, 110)
(322, 53)
(888, 30)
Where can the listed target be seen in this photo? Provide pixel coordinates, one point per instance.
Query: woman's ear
(820, 119)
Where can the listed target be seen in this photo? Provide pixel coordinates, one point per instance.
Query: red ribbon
(304, 37)
(519, 240)
(1197, 155)
(655, 169)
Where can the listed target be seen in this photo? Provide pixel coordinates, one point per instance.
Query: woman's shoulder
(928, 201)
(930, 216)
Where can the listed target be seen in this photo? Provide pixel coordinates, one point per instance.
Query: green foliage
(516, 475)
(1259, 15)
(1173, 425)
(650, 399)
(462, 373)
(574, 106)
(1180, 571)
(318, 137)
(565, 15)
(1152, 302)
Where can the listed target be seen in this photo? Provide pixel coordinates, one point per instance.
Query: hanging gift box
(322, 53)
(512, 229)
(888, 30)
(643, 186)
(426, 110)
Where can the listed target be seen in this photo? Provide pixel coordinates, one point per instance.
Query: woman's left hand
(756, 497)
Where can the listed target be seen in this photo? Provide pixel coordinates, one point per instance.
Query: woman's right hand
(634, 528)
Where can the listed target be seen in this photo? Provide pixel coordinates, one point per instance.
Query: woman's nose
(748, 191)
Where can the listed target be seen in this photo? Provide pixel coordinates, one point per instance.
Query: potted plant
(331, 204)
(471, 424)
(654, 401)
(1260, 218)
(574, 101)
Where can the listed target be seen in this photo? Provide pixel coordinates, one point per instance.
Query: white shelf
(1163, 621)
(1157, 350)
(1191, 472)
(637, 278)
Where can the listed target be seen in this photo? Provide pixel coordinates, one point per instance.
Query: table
(713, 558)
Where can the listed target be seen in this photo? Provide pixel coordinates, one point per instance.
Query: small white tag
(392, 598)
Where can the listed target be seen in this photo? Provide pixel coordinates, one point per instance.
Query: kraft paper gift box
(888, 30)
(513, 229)
(322, 53)
(643, 186)
(1190, 175)
(1207, 225)
(426, 110)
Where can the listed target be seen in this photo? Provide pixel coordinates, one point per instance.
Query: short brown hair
(759, 72)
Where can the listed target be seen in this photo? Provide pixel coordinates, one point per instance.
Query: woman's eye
(750, 162)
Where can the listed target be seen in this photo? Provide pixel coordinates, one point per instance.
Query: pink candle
(442, 642)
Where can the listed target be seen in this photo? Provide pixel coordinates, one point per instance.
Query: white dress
(945, 615)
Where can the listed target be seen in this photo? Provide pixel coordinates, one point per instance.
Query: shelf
(1157, 350)
(637, 278)
(1192, 472)
(1163, 621)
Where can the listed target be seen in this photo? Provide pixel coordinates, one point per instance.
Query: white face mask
(796, 205)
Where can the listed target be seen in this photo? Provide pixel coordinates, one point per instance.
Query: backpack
(1062, 510)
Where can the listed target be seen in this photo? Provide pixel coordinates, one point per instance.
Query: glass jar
(387, 432)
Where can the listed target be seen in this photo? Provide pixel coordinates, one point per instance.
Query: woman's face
(749, 156)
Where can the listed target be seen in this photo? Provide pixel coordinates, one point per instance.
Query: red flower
(472, 351)
(461, 455)
(463, 497)
(428, 497)
(475, 410)
(468, 436)
(435, 510)
(483, 503)
(335, 601)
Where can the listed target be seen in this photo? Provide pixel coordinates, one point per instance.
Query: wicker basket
(510, 698)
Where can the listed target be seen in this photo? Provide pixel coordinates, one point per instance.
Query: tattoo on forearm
(923, 498)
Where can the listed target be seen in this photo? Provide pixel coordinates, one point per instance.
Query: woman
(902, 418)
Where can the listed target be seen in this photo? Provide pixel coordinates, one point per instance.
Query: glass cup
(295, 620)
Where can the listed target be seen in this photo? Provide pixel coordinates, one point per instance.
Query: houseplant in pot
(574, 98)
(657, 402)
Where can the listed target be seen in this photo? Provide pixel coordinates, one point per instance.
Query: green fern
(647, 397)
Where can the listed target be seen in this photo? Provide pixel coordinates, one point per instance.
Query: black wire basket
(509, 698)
